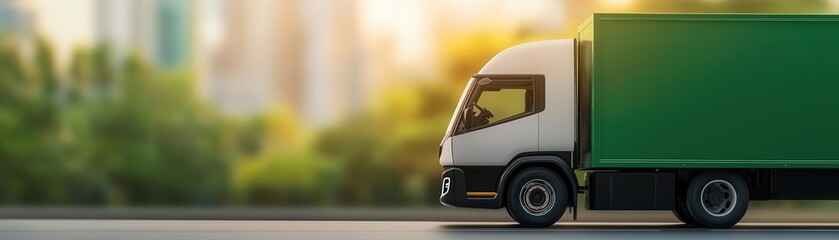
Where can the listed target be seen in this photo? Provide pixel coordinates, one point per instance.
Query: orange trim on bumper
(480, 194)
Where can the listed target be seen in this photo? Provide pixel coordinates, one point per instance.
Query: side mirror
(467, 117)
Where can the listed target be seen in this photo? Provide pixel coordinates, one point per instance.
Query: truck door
(499, 120)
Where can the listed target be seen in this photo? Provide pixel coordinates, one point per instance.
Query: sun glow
(617, 3)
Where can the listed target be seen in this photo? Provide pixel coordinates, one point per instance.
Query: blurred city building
(333, 60)
(322, 59)
(159, 29)
(255, 59)
(14, 18)
(303, 55)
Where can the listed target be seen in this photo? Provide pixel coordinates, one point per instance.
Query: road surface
(254, 230)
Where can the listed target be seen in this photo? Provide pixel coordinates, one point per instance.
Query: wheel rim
(718, 198)
(537, 197)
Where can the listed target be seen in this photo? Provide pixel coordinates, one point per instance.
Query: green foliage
(29, 146)
(384, 156)
(106, 133)
(389, 153)
(124, 132)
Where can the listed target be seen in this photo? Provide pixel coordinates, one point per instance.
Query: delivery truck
(697, 114)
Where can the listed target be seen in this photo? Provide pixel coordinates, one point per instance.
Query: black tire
(726, 199)
(536, 185)
(681, 212)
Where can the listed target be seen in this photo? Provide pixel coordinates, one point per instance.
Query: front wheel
(537, 197)
(717, 199)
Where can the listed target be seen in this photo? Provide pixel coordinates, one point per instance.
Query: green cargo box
(709, 91)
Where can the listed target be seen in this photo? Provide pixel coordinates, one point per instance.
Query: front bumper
(453, 192)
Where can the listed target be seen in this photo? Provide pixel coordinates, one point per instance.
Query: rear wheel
(536, 197)
(681, 210)
(717, 199)
(682, 213)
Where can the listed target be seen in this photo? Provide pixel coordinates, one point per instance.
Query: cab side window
(494, 102)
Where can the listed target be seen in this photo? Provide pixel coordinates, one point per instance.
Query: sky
(67, 23)
(70, 23)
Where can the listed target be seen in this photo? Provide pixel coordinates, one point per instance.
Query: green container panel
(709, 91)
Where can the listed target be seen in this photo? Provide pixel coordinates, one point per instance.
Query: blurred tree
(32, 170)
(105, 134)
(388, 154)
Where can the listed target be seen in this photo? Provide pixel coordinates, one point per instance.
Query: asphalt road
(253, 230)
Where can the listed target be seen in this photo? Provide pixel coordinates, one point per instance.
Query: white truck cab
(502, 117)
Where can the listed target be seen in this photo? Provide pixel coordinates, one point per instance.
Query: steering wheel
(484, 111)
(484, 116)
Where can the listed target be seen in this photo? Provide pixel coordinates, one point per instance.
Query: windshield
(457, 110)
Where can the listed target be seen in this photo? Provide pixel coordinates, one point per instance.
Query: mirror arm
(466, 118)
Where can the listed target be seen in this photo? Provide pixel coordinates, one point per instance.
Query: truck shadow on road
(792, 227)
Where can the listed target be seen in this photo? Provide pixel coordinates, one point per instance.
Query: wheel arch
(551, 161)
